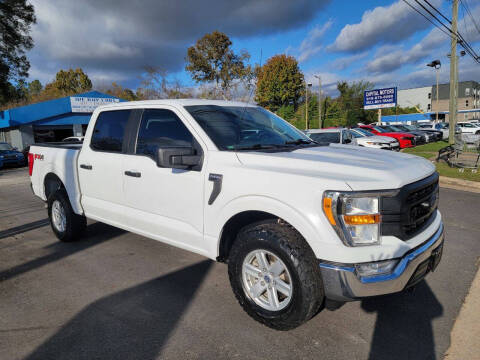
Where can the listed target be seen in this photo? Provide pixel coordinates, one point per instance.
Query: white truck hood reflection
(360, 168)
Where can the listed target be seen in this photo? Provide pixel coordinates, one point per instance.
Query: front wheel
(275, 275)
(66, 225)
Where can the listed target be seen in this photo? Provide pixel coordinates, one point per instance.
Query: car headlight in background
(373, 143)
(354, 216)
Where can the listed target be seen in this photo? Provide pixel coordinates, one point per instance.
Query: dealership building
(52, 120)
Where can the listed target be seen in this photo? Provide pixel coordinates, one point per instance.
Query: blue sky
(384, 42)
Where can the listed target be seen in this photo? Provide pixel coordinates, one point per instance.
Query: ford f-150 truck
(299, 223)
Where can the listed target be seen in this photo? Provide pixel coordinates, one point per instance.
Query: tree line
(218, 71)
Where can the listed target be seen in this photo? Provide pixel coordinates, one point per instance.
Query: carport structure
(50, 120)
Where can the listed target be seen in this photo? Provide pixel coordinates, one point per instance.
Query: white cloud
(312, 44)
(384, 24)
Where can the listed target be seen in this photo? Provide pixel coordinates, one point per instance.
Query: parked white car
(469, 128)
(332, 136)
(73, 139)
(297, 222)
(367, 139)
(442, 126)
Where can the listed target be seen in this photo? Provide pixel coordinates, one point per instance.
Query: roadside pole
(319, 101)
(306, 106)
(379, 119)
(452, 108)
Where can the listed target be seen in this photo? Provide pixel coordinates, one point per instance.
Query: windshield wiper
(299, 142)
(257, 147)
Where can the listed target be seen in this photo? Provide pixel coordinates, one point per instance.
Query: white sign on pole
(81, 104)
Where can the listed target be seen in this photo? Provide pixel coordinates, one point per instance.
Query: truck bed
(60, 160)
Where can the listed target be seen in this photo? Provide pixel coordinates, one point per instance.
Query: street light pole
(319, 100)
(307, 85)
(437, 65)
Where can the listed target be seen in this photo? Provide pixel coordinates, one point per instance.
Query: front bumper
(342, 283)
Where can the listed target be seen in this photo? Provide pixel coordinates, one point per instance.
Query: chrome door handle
(133, 174)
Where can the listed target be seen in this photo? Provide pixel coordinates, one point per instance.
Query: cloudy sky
(384, 42)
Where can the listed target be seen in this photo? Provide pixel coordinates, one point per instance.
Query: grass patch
(429, 151)
(445, 170)
(431, 147)
(426, 155)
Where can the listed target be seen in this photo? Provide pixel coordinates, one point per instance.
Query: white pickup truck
(297, 222)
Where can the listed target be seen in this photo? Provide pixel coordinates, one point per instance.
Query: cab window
(161, 128)
(109, 130)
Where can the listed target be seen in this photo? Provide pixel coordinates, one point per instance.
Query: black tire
(74, 225)
(288, 245)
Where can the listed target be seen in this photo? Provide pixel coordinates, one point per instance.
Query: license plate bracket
(435, 257)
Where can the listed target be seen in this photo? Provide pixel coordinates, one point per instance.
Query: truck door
(100, 167)
(166, 204)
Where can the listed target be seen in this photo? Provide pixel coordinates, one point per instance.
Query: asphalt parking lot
(116, 295)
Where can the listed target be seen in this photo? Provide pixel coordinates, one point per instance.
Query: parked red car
(404, 139)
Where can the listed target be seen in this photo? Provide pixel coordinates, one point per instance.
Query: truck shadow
(96, 233)
(403, 329)
(132, 324)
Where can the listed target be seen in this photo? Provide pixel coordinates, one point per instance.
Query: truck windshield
(246, 128)
(5, 146)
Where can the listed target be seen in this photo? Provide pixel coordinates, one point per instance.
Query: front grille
(10, 157)
(411, 210)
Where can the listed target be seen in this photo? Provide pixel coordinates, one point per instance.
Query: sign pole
(379, 120)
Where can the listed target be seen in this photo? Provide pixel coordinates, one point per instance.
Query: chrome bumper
(342, 283)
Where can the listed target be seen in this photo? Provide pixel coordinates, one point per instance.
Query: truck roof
(182, 102)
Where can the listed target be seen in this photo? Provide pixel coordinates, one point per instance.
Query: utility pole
(307, 85)
(319, 100)
(452, 108)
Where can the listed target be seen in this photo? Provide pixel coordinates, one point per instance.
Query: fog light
(376, 268)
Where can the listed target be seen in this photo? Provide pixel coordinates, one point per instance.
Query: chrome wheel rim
(266, 280)
(59, 219)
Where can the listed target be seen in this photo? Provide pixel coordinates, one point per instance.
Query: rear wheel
(66, 225)
(275, 276)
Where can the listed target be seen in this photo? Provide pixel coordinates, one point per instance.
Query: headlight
(373, 143)
(1, 156)
(354, 216)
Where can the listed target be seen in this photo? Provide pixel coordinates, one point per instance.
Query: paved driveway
(116, 295)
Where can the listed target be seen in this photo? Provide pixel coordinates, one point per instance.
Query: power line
(426, 17)
(438, 12)
(467, 8)
(468, 48)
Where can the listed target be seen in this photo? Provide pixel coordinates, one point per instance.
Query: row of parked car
(388, 137)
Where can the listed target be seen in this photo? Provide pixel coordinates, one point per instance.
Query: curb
(459, 184)
(464, 338)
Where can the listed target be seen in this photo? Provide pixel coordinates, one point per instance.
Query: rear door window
(109, 131)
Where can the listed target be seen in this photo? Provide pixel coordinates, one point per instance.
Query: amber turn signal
(361, 219)
(327, 209)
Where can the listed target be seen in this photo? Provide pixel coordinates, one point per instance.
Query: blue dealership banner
(380, 98)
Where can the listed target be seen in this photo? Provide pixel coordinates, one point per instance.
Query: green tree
(16, 17)
(212, 59)
(34, 88)
(68, 82)
(351, 102)
(279, 83)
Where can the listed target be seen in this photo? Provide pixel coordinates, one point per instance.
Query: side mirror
(347, 141)
(16, 149)
(177, 157)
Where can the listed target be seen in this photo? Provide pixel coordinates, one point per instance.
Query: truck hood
(360, 168)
